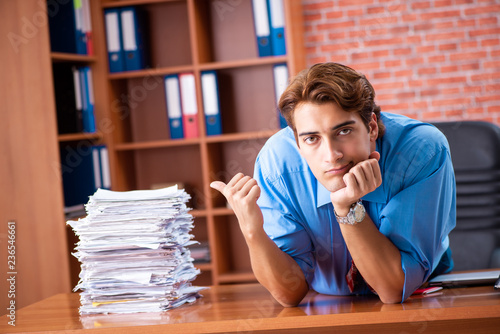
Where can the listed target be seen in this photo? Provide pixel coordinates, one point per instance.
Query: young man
(346, 200)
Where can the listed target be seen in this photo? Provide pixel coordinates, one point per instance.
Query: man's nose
(331, 151)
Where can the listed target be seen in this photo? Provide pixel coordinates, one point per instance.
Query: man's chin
(333, 186)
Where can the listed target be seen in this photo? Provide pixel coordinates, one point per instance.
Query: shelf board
(243, 63)
(150, 72)
(203, 266)
(70, 57)
(240, 136)
(161, 71)
(78, 136)
(195, 141)
(124, 3)
(237, 277)
(222, 212)
(156, 144)
(198, 213)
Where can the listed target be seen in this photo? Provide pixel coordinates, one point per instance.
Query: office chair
(475, 152)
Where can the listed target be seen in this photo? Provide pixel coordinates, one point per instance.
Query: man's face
(332, 141)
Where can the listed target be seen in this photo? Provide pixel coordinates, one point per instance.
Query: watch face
(359, 212)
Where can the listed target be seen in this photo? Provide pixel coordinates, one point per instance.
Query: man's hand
(361, 179)
(242, 193)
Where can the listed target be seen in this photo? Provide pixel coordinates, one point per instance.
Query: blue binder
(81, 37)
(277, 23)
(78, 175)
(280, 72)
(261, 25)
(87, 88)
(133, 37)
(174, 109)
(62, 26)
(211, 105)
(113, 40)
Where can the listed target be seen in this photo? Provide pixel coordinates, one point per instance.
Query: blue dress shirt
(414, 207)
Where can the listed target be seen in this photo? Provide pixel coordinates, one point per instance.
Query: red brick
(334, 15)
(415, 39)
(398, 106)
(482, 10)
(439, 15)
(392, 63)
(492, 64)
(450, 91)
(486, 76)
(385, 41)
(333, 47)
(468, 56)
(488, 98)
(445, 36)
(470, 67)
(427, 70)
(355, 12)
(447, 69)
(421, 5)
(426, 49)
(366, 66)
(450, 102)
(380, 53)
(431, 115)
(405, 95)
(355, 3)
(437, 59)
(446, 80)
(419, 105)
(361, 55)
(444, 47)
(376, 10)
(316, 6)
(424, 26)
(451, 113)
(312, 17)
(482, 32)
(378, 21)
(336, 35)
(494, 109)
(468, 45)
(490, 42)
(430, 92)
(442, 3)
(403, 51)
(488, 21)
(445, 25)
(335, 25)
(382, 75)
(404, 73)
(389, 85)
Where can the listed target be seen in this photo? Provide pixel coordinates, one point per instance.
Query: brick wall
(430, 60)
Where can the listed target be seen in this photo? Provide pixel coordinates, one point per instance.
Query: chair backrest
(475, 152)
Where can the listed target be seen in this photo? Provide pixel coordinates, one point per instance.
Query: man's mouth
(339, 170)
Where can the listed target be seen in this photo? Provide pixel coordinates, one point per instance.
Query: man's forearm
(376, 258)
(276, 270)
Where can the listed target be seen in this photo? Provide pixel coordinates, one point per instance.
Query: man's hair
(331, 82)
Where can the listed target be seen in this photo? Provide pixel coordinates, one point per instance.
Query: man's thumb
(218, 185)
(374, 155)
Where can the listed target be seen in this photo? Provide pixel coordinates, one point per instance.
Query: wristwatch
(355, 215)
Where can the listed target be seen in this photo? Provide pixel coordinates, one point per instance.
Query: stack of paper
(133, 252)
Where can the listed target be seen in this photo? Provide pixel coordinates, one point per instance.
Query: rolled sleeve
(281, 226)
(418, 219)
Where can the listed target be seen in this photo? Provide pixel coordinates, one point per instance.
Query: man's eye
(310, 140)
(344, 132)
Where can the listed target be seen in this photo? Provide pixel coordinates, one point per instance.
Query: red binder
(189, 105)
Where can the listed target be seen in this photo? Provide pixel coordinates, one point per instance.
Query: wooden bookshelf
(192, 36)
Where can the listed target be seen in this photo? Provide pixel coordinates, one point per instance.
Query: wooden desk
(250, 308)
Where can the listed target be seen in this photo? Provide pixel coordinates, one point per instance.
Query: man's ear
(373, 127)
